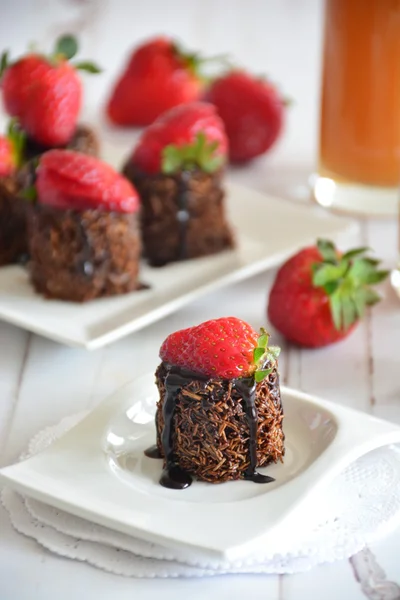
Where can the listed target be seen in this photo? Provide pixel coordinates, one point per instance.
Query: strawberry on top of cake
(84, 237)
(177, 167)
(219, 414)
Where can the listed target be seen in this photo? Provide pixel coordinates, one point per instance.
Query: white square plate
(98, 471)
(268, 230)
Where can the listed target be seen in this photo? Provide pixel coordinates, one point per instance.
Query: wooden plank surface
(41, 382)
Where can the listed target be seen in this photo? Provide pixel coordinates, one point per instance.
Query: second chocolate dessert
(84, 140)
(14, 206)
(177, 169)
(44, 95)
(84, 237)
(13, 241)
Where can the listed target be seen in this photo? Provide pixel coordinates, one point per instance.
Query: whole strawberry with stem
(11, 149)
(227, 348)
(186, 137)
(319, 295)
(252, 110)
(159, 75)
(71, 180)
(45, 92)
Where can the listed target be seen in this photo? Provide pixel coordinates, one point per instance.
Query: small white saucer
(267, 229)
(98, 471)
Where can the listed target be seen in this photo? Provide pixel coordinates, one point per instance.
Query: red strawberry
(18, 80)
(45, 94)
(252, 111)
(319, 295)
(71, 180)
(11, 149)
(157, 77)
(184, 137)
(226, 348)
(7, 163)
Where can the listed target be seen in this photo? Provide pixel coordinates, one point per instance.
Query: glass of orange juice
(359, 145)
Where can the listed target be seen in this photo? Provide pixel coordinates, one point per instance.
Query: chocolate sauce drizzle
(173, 476)
(86, 255)
(247, 389)
(183, 215)
(153, 452)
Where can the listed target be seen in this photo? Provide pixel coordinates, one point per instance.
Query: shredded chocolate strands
(212, 428)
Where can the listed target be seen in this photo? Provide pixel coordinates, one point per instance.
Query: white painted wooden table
(41, 381)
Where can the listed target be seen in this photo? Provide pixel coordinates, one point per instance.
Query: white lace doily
(360, 505)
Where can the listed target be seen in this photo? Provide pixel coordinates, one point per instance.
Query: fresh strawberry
(7, 165)
(319, 295)
(45, 93)
(226, 348)
(11, 149)
(185, 137)
(253, 113)
(71, 180)
(157, 77)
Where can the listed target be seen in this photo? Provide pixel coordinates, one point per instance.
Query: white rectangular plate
(98, 471)
(267, 230)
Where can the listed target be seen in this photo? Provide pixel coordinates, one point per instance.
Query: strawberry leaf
(377, 277)
(273, 352)
(327, 250)
(346, 279)
(349, 313)
(359, 302)
(372, 261)
(171, 159)
(336, 308)
(264, 355)
(331, 287)
(257, 354)
(88, 67)
(17, 138)
(263, 339)
(67, 46)
(370, 297)
(4, 62)
(261, 374)
(29, 193)
(195, 62)
(328, 273)
(355, 252)
(201, 153)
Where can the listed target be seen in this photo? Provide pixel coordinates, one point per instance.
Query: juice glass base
(353, 198)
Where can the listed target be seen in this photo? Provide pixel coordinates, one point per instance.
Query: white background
(40, 381)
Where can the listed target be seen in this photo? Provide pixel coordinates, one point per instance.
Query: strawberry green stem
(264, 355)
(347, 280)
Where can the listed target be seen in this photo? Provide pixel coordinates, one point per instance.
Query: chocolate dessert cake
(83, 232)
(84, 140)
(14, 206)
(43, 95)
(13, 241)
(219, 415)
(182, 215)
(177, 169)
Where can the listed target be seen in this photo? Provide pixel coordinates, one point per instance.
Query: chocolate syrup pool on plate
(173, 476)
